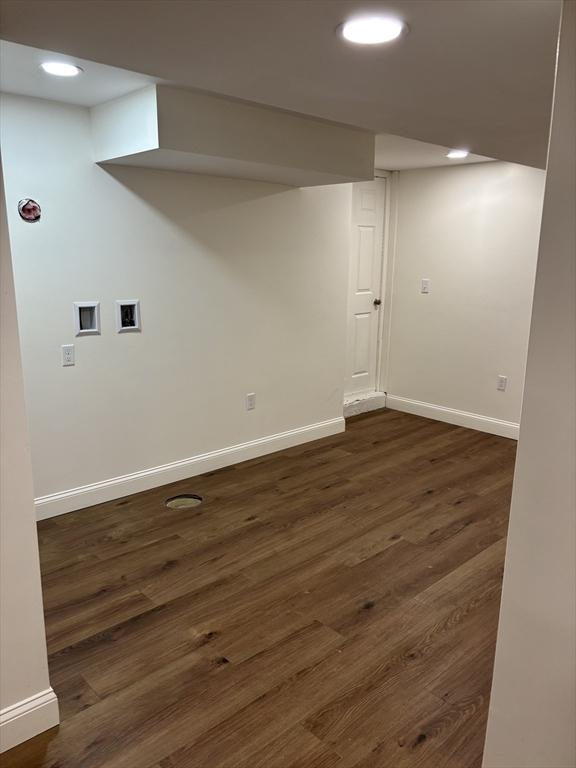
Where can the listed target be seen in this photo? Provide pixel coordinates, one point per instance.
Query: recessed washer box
(127, 315)
(87, 318)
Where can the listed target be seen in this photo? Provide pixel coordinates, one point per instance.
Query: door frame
(377, 398)
(387, 277)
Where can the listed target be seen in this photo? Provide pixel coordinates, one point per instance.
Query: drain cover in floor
(184, 501)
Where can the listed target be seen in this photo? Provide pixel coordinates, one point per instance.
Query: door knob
(377, 302)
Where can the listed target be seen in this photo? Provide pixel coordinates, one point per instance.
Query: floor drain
(184, 501)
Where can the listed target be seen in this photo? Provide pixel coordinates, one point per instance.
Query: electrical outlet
(425, 285)
(68, 355)
(502, 383)
(250, 401)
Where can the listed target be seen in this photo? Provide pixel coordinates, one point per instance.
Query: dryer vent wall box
(127, 315)
(86, 318)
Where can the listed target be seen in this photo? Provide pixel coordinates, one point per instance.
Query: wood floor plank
(128, 650)
(333, 605)
(297, 748)
(388, 698)
(333, 684)
(74, 623)
(453, 737)
(74, 694)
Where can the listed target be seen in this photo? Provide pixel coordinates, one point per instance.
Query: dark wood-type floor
(330, 606)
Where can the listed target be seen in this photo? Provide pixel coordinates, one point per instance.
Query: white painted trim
(370, 401)
(116, 487)
(383, 284)
(453, 416)
(389, 268)
(28, 718)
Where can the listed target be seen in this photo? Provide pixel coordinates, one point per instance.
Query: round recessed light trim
(372, 30)
(61, 68)
(458, 154)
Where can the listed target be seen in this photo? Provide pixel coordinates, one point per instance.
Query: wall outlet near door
(250, 401)
(502, 383)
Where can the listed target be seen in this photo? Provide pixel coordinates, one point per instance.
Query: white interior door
(365, 286)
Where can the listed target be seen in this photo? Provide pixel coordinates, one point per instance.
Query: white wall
(127, 125)
(473, 231)
(241, 284)
(27, 703)
(533, 704)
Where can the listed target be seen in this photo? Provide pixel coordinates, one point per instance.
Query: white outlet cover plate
(68, 357)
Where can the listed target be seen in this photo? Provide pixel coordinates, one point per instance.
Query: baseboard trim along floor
(28, 718)
(96, 493)
(453, 416)
(356, 404)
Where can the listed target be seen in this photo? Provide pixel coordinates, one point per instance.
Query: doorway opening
(368, 304)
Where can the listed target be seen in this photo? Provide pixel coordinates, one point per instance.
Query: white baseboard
(28, 718)
(453, 416)
(355, 404)
(116, 487)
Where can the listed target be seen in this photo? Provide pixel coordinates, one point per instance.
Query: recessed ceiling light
(458, 154)
(371, 30)
(61, 68)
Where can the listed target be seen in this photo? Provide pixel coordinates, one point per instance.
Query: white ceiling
(20, 73)
(394, 153)
(476, 73)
